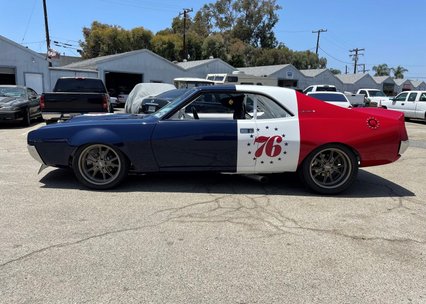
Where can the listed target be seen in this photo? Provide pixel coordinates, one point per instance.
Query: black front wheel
(27, 118)
(329, 169)
(99, 166)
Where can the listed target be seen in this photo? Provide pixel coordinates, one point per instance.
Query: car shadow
(366, 185)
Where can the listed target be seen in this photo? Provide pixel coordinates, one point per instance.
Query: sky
(391, 32)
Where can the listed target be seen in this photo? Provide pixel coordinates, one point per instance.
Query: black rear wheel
(99, 166)
(329, 169)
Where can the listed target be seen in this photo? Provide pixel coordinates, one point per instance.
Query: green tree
(381, 70)
(168, 46)
(214, 46)
(398, 72)
(251, 21)
(103, 39)
(140, 38)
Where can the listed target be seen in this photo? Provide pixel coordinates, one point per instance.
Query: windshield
(330, 97)
(377, 94)
(12, 92)
(172, 93)
(175, 103)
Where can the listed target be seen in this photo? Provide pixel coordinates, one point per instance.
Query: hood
(10, 101)
(104, 117)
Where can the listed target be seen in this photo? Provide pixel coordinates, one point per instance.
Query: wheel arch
(312, 149)
(94, 136)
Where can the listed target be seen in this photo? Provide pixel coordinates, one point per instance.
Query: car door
(201, 136)
(398, 103)
(274, 143)
(420, 111)
(409, 106)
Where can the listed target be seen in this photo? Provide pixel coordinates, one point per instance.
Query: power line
(29, 20)
(342, 61)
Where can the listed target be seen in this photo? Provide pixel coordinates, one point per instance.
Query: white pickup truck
(373, 97)
(412, 103)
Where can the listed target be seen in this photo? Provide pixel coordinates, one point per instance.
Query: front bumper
(33, 152)
(11, 115)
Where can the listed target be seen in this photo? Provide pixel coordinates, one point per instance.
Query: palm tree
(398, 72)
(381, 70)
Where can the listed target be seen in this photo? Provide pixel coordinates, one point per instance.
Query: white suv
(320, 88)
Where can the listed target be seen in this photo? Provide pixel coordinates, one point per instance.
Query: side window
(31, 94)
(401, 97)
(423, 97)
(219, 106)
(210, 106)
(363, 93)
(412, 97)
(262, 107)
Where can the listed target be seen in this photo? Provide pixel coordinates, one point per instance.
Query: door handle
(246, 130)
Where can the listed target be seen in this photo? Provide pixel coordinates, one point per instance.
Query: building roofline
(17, 45)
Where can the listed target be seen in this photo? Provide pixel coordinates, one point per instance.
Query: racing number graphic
(269, 145)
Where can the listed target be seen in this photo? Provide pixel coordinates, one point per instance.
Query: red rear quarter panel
(322, 123)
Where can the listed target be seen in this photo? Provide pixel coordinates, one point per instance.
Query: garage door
(7, 75)
(34, 81)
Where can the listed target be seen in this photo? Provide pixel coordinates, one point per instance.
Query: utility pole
(363, 67)
(185, 49)
(46, 26)
(318, 37)
(355, 56)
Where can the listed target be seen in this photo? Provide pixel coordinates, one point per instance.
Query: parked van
(238, 77)
(191, 82)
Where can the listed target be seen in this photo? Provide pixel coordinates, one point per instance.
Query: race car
(237, 129)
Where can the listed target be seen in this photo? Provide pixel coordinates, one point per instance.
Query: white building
(287, 75)
(20, 65)
(321, 76)
(354, 82)
(200, 68)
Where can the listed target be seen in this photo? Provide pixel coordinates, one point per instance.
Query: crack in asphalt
(244, 210)
(66, 244)
(218, 212)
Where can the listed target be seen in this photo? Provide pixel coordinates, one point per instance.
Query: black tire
(26, 121)
(100, 166)
(329, 169)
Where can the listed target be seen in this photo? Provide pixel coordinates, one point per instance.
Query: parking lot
(200, 238)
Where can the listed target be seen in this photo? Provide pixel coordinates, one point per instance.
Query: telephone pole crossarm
(355, 56)
(318, 38)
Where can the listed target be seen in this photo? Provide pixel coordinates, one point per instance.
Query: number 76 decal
(269, 145)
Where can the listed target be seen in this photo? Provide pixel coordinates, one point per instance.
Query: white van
(238, 77)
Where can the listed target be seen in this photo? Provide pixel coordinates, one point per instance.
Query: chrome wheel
(330, 169)
(100, 166)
